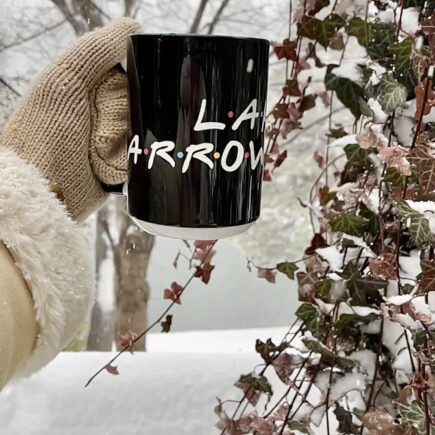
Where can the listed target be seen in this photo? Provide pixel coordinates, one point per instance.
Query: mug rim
(198, 36)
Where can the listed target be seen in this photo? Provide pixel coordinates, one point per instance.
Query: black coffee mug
(197, 111)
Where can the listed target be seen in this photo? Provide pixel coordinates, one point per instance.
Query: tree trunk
(100, 336)
(131, 257)
(132, 249)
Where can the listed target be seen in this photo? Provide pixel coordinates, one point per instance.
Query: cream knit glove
(73, 123)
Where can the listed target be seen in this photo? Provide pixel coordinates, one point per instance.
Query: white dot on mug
(180, 154)
(250, 65)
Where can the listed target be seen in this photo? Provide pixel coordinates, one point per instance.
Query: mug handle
(117, 189)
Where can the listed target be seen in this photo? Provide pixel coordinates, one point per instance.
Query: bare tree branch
(217, 16)
(7, 85)
(198, 16)
(32, 36)
(92, 15)
(84, 16)
(128, 7)
(78, 26)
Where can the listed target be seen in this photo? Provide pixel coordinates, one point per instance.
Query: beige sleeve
(18, 327)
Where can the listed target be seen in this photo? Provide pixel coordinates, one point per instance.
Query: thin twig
(158, 320)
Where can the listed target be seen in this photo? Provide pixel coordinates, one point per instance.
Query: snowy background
(173, 387)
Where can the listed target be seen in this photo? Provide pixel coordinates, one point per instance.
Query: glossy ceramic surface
(177, 85)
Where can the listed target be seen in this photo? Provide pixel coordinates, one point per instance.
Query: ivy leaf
(127, 340)
(428, 102)
(378, 422)
(204, 272)
(336, 133)
(328, 357)
(392, 94)
(268, 349)
(300, 426)
(425, 163)
(173, 293)
(316, 242)
(310, 316)
(427, 281)
(113, 370)
(287, 50)
(361, 30)
(287, 268)
(344, 418)
(257, 382)
(167, 323)
(383, 35)
(347, 91)
(418, 225)
(364, 290)
(413, 415)
(393, 176)
(307, 26)
(402, 54)
(267, 274)
(325, 29)
(347, 324)
(358, 156)
(291, 88)
(323, 289)
(349, 223)
(373, 220)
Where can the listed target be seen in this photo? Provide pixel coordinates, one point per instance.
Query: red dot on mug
(230, 114)
(146, 151)
(246, 154)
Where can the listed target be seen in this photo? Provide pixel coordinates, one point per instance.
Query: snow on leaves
(370, 212)
(395, 157)
(418, 225)
(328, 357)
(347, 91)
(380, 422)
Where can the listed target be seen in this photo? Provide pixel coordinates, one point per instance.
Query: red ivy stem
(375, 374)
(158, 320)
(290, 387)
(295, 334)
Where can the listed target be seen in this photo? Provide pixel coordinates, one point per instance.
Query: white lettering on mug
(161, 149)
(249, 113)
(200, 126)
(198, 152)
(255, 159)
(239, 159)
(133, 148)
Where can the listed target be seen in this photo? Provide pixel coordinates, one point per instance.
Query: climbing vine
(360, 358)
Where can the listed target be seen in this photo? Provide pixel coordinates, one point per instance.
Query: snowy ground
(171, 389)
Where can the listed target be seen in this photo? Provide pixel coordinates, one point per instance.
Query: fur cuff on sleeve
(51, 253)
